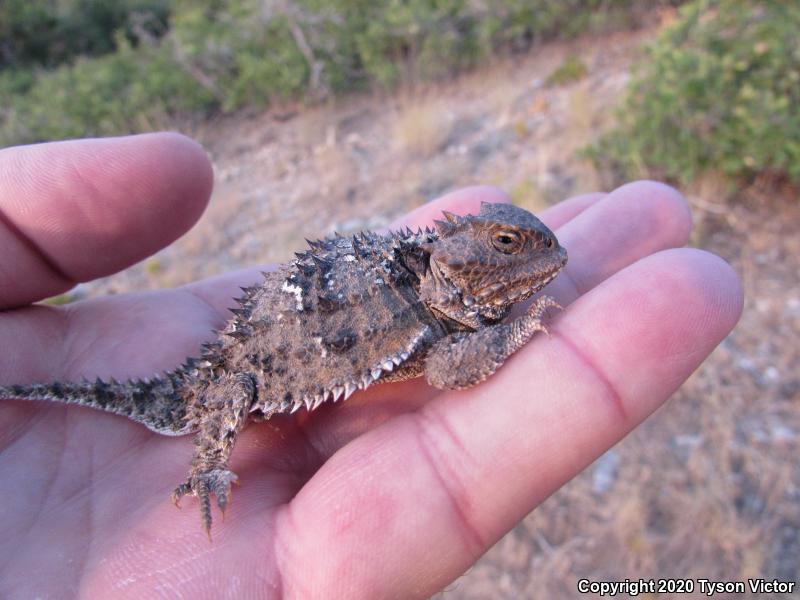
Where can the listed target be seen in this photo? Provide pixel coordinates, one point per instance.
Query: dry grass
(420, 125)
(572, 69)
(335, 169)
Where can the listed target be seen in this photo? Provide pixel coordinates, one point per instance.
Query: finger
(615, 231)
(73, 211)
(446, 482)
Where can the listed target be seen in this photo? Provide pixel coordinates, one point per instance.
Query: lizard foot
(532, 321)
(540, 306)
(202, 485)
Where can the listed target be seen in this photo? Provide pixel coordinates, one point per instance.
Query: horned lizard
(345, 314)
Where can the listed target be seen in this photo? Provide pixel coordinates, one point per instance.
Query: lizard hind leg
(221, 413)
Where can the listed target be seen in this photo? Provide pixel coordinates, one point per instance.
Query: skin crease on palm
(394, 493)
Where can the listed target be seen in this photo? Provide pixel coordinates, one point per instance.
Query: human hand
(393, 493)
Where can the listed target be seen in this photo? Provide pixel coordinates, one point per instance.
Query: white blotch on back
(296, 290)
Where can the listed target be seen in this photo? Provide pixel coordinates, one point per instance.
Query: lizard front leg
(222, 412)
(464, 359)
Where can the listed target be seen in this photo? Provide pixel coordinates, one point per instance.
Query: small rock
(604, 473)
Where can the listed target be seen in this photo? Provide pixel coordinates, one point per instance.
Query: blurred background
(343, 114)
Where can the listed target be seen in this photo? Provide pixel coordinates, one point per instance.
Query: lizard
(347, 313)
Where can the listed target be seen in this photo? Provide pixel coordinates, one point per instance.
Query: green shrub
(225, 55)
(254, 54)
(129, 90)
(571, 70)
(719, 89)
(417, 40)
(246, 55)
(50, 32)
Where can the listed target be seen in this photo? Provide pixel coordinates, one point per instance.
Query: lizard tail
(158, 403)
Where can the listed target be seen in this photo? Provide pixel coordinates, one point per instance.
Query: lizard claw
(179, 493)
(531, 322)
(540, 306)
(202, 485)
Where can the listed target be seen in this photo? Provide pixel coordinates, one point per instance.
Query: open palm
(393, 493)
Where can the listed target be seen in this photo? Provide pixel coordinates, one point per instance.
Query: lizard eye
(507, 242)
(549, 242)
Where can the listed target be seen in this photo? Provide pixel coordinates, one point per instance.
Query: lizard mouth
(497, 295)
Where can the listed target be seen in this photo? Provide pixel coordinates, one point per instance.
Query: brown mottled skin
(348, 313)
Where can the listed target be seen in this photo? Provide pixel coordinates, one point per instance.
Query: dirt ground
(709, 487)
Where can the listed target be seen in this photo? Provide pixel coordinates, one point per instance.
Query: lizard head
(480, 265)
